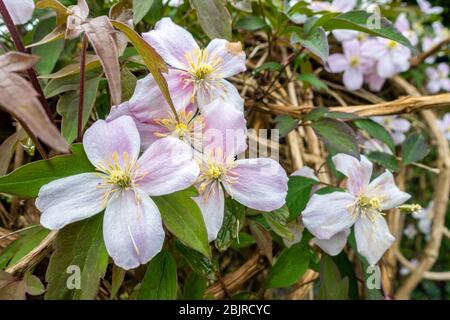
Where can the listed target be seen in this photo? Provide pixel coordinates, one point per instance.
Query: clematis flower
(410, 231)
(424, 218)
(201, 73)
(334, 6)
(352, 63)
(402, 24)
(392, 57)
(20, 11)
(373, 80)
(260, 184)
(440, 33)
(396, 126)
(438, 78)
(121, 185)
(444, 125)
(426, 7)
(330, 216)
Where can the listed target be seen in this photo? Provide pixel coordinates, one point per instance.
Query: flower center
(120, 178)
(201, 65)
(366, 203)
(354, 61)
(215, 171)
(391, 44)
(186, 127)
(119, 174)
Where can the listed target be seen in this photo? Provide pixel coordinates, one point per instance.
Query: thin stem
(82, 78)
(15, 35)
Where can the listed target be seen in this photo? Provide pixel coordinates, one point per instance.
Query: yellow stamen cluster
(201, 65)
(392, 44)
(365, 207)
(410, 208)
(354, 61)
(187, 127)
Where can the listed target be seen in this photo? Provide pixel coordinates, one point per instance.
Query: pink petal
(401, 125)
(132, 229)
(343, 5)
(70, 199)
(212, 210)
(172, 42)
(433, 86)
(373, 49)
(353, 79)
(386, 67)
(402, 23)
(337, 62)
(328, 214)
(306, 172)
(230, 55)
(261, 184)
(398, 138)
(445, 84)
(168, 166)
(335, 244)
(444, 69)
(351, 48)
(219, 89)
(373, 238)
(344, 35)
(384, 187)
(20, 11)
(103, 139)
(357, 172)
(225, 128)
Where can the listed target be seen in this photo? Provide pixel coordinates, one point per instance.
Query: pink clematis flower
(444, 125)
(396, 126)
(122, 184)
(260, 184)
(426, 7)
(438, 78)
(392, 57)
(200, 73)
(334, 6)
(352, 63)
(402, 24)
(373, 80)
(20, 11)
(329, 217)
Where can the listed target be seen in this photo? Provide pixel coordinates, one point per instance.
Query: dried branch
(415, 61)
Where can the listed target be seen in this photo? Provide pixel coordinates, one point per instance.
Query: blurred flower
(396, 126)
(334, 6)
(121, 185)
(330, 216)
(438, 78)
(20, 10)
(199, 73)
(440, 34)
(426, 7)
(405, 271)
(173, 3)
(410, 231)
(352, 63)
(424, 217)
(376, 145)
(373, 80)
(403, 25)
(444, 125)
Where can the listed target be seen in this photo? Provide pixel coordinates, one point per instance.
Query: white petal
(212, 210)
(70, 199)
(132, 229)
(386, 67)
(353, 79)
(168, 166)
(328, 214)
(306, 172)
(221, 90)
(230, 55)
(357, 172)
(335, 244)
(373, 238)
(20, 10)
(336, 63)
(384, 187)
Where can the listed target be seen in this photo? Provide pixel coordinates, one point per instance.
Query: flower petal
(225, 128)
(328, 214)
(103, 139)
(20, 11)
(373, 238)
(70, 199)
(262, 184)
(168, 166)
(357, 172)
(212, 210)
(172, 42)
(132, 229)
(335, 244)
(353, 79)
(230, 55)
(222, 90)
(386, 67)
(384, 186)
(336, 63)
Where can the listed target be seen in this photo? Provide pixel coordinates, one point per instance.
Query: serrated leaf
(214, 18)
(160, 281)
(79, 251)
(337, 135)
(384, 159)
(183, 218)
(377, 131)
(27, 180)
(299, 192)
(414, 148)
(290, 265)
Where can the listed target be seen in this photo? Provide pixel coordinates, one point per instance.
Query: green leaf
(34, 285)
(316, 114)
(66, 83)
(271, 66)
(250, 23)
(286, 124)
(291, 264)
(277, 221)
(79, 251)
(49, 53)
(129, 81)
(160, 281)
(337, 136)
(233, 221)
(214, 18)
(317, 43)
(414, 148)
(183, 218)
(384, 159)
(140, 9)
(299, 192)
(194, 287)
(118, 275)
(244, 240)
(332, 287)
(313, 80)
(68, 107)
(27, 180)
(197, 261)
(376, 130)
(364, 22)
